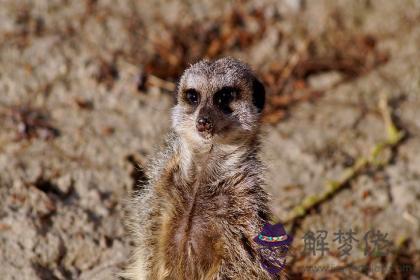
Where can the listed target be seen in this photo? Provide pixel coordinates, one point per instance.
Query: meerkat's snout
(204, 124)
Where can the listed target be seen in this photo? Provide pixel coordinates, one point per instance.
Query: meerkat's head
(218, 102)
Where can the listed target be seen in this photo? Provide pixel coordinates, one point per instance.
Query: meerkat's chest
(195, 231)
(198, 221)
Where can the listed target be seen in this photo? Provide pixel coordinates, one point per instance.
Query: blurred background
(86, 89)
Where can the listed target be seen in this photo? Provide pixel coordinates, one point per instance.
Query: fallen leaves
(181, 44)
(107, 73)
(32, 123)
(338, 51)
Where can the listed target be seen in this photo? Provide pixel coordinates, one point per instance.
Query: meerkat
(203, 203)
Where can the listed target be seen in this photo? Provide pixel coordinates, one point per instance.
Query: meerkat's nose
(204, 124)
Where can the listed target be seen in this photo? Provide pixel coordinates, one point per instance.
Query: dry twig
(394, 137)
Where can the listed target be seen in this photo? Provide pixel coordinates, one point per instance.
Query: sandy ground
(76, 119)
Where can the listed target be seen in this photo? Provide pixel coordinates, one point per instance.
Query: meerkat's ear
(258, 94)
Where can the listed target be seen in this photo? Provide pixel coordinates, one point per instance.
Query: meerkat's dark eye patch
(224, 97)
(192, 96)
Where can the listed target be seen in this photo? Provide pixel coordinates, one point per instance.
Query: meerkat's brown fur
(203, 204)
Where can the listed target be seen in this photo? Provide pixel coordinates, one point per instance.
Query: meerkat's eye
(192, 96)
(224, 97)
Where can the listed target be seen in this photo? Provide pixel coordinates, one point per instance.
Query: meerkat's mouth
(207, 135)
